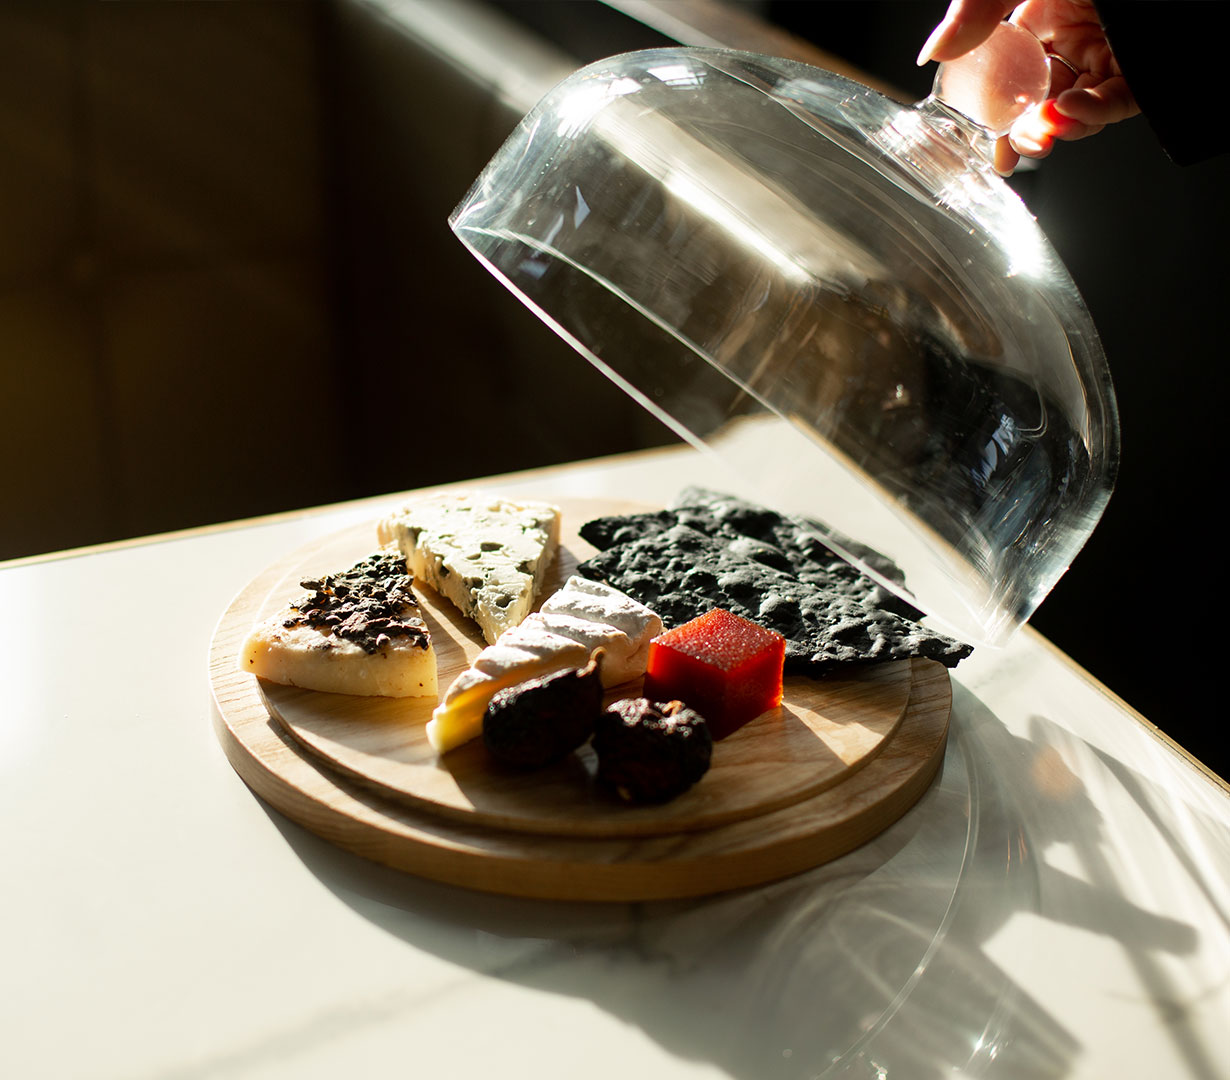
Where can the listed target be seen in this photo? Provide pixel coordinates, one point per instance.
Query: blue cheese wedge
(575, 621)
(489, 556)
(359, 631)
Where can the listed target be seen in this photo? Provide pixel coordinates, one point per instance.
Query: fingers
(1063, 77)
(1106, 103)
(967, 25)
(1079, 106)
(1075, 114)
(1034, 134)
(1005, 159)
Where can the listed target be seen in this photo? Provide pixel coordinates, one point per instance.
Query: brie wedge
(359, 631)
(627, 626)
(489, 556)
(576, 620)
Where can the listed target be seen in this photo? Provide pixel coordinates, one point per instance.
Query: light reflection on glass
(945, 149)
(1005, 218)
(708, 204)
(579, 107)
(677, 75)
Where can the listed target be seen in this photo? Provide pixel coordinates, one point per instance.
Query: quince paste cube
(725, 667)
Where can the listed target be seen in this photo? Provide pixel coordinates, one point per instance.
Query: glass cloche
(836, 293)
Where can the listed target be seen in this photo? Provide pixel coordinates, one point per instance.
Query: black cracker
(756, 563)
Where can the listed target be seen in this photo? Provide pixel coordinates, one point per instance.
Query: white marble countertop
(1057, 905)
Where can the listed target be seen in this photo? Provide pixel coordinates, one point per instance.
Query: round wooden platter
(836, 764)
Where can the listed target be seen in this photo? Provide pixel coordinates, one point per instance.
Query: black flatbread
(781, 543)
(689, 560)
(807, 537)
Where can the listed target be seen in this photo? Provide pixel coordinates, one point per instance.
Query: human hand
(1088, 90)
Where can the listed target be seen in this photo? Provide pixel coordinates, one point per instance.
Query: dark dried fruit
(540, 721)
(650, 752)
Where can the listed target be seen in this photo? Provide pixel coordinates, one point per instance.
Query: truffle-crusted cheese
(581, 617)
(489, 556)
(358, 631)
(295, 658)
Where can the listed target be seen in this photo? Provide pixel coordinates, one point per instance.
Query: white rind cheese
(359, 631)
(489, 556)
(527, 651)
(576, 620)
(634, 625)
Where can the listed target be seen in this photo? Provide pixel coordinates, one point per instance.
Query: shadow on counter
(882, 957)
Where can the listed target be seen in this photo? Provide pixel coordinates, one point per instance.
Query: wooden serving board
(836, 764)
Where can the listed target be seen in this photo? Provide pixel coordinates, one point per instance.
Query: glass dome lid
(834, 292)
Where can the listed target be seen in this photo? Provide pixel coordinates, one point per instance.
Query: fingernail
(1005, 158)
(1058, 120)
(932, 44)
(1070, 97)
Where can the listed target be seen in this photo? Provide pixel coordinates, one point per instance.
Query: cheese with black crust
(358, 631)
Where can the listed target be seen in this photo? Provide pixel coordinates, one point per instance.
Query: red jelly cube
(724, 666)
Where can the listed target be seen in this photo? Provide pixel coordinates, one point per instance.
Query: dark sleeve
(1173, 55)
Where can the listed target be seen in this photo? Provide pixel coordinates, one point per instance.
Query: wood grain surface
(838, 763)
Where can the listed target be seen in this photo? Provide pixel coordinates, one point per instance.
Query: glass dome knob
(997, 82)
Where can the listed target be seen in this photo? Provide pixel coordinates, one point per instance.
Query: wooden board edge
(730, 857)
(636, 827)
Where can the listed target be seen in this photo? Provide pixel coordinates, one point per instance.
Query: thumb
(967, 25)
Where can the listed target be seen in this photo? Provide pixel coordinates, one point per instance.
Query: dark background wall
(164, 265)
(213, 217)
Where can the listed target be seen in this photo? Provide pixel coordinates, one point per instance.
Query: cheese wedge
(358, 631)
(576, 620)
(526, 651)
(627, 626)
(489, 556)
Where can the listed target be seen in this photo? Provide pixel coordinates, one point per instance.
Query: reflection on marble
(880, 964)
(820, 974)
